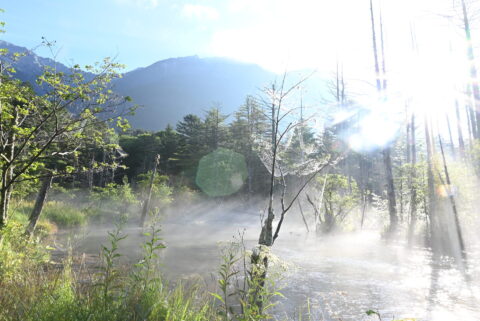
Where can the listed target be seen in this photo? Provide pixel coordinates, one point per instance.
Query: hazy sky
(277, 34)
(428, 72)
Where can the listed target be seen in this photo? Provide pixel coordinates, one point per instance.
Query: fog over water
(339, 276)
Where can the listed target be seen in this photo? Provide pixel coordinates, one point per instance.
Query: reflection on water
(348, 275)
(341, 277)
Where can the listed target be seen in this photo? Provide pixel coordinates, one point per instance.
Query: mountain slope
(172, 88)
(29, 66)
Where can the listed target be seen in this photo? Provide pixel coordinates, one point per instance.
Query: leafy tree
(141, 150)
(340, 197)
(170, 144)
(192, 146)
(37, 130)
(214, 129)
(249, 127)
(112, 200)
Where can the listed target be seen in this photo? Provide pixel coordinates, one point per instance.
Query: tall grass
(32, 288)
(58, 213)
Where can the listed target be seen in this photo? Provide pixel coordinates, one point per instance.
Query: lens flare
(221, 173)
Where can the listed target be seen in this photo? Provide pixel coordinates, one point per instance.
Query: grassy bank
(32, 287)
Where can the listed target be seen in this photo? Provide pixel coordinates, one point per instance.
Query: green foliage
(114, 193)
(412, 177)
(340, 197)
(245, 293)
(161, 191)
(227, 273)
(110, 281)
(18, 252)
(112, 201)
(144, 273)
(2, 23)
(185, 195)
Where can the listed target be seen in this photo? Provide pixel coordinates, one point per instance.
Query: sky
(276, 34)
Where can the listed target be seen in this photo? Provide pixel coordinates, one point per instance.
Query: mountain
(29, 66)
(170, 89)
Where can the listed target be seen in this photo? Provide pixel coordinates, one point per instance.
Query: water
(345, 276)
(340, 277)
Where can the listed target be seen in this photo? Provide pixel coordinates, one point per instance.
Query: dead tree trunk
(432, 200)
(413, 187)
(303, 215)
(317, 209)
(461, 143)
(39, 203)
(473, 68)
(381, 87)
(365, 174)
(448, 186)
(452, 145)
(268, 235)
(146, 203)
(470, 124)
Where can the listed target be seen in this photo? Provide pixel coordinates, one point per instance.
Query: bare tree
(278, 115)
(451, 197)
(386, 152)
(413, 174)
(281, 125)
(146, 202)
(473, 68)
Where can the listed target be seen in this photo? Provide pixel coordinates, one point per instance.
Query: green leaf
(218, 297)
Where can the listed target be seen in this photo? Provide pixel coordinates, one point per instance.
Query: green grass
(32, 289)
(64, 215)
(58, 213)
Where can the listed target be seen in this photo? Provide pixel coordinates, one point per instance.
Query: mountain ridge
(169, 89)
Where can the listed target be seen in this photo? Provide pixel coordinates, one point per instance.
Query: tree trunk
(392, 210)
(400, 194)
(392, 206)
(4, 204)
(432, 200)
(461, 143)
(413, 188)
(7, 171)
(266, 235)
(303, 216)
(146, 203)
(470, 124)
(90, 173)
(39, 202)
(473, 68)
(375, 51)
(104, 172)
(458, 228)
(452, 145)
